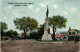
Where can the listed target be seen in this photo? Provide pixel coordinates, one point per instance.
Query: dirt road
(30, 46)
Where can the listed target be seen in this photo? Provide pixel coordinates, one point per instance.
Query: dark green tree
(57, 22)
(38, 35)
(41, 31)
(12, 34)
(15, 33)
(27, 24)
(3, 28)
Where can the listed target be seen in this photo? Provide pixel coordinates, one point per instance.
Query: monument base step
(46, 37)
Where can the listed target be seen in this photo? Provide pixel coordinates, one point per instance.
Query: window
(69, 33)
(73, 33)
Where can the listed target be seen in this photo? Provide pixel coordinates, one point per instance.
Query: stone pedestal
(46, 35)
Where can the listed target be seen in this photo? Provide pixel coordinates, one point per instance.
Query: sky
(69, 9)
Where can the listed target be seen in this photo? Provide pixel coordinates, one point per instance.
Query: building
(73, 34)
(61, 37)
(22, 34)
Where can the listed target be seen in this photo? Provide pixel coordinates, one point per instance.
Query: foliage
(12, 33)
(33, 35)
(3, 34)
(3, 26)
(26, 37)
(63, 32)
(37, 35)
(26, 24)
(74, 38)
(41, 30)
(57, 22)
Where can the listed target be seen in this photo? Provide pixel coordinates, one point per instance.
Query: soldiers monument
(46, 35)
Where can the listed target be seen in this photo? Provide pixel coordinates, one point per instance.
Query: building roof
(22, 34)
(60, 35)
(76, 30)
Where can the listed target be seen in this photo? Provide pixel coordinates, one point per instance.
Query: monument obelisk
(46, 35)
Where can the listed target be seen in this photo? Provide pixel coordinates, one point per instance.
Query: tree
(26, 24)
(37, 35)
(3, 28)
(64, 32)
(12, 34)
(57, 22)
(15, 33)
(41, 31)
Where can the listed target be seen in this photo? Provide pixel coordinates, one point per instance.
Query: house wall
(72, 32)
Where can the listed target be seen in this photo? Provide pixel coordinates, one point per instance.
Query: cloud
(58, 0)
(8, 7)
(3, 18)
(78, 20)
(9, 26)
(55, 6)
(44, 4)
(64, 12)
(0, 0)
(3, 0)
(30, 6)
(72, 10)
(15, 12)
(37, 9)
